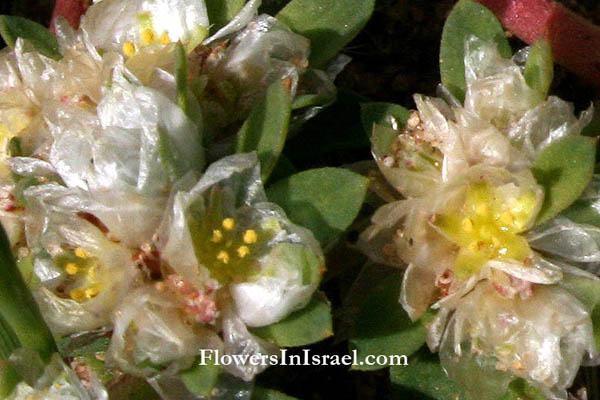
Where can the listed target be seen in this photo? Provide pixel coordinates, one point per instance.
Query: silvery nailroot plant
(498, 266)
(136, 253)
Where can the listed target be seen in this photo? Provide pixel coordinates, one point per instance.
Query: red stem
(575, 41)
(71, 10)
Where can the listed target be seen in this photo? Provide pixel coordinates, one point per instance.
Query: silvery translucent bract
(464, 231)
(54, 381)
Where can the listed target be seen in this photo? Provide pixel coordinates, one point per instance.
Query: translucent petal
(57, 382)
(237, 340)
(150, 335)
(542, 338)
(496, 89)
(77, 292)
(547, 122)
(111, 23)
(568, 240)
(264, 52)
(246, 14)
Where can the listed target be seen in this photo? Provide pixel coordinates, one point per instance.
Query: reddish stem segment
(575, 41)
(71, 10)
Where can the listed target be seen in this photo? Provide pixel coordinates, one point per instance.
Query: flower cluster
(117, 225)
(467, 230)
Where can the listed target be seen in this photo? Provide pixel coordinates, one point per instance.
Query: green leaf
(587, 291)
(260, 393)
(564, 169)
(9, 379)
(187, 101)
(8, 340)
(166, 153)
(467, 18)
(201, 379)
(181, 77)
(220, 12)
(324, 200)
(423, 379)
(18, 308)
(382, 326)
(583, 211)
(539, 70)
(329, 24)
(386, 114)
(311, 100)
(43, 41)
(90, 349)
(520, 389)
(266, 128)
(309, 325)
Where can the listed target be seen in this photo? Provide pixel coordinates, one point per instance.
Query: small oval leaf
(201, 379)
(308, 325)
(423, 378)
(467, 18)
(564, 169)
(220, 12)
(539, 69)
(583, 212)
(387, 114)
(382, 327)
(324, 200)
(266, 128)
(12, 27)
(329, 24)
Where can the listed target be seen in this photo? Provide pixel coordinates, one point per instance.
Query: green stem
(8, 340)
(18, 308)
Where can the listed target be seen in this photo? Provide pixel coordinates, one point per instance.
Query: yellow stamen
(165, 39)
(128, 49)
(148, 36)
(71, 268)
(250, 236)
(507, 218)
(228, 224)
(243, 251)
(217, 236)
(81, 253)
(486, 232)
(467, 225)
(482, 209)
(77, 294)
(91, 292)
(92, 272)
(223, 256)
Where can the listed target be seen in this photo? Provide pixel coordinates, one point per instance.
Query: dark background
(395, 56)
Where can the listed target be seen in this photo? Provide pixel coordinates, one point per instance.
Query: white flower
(464, 228)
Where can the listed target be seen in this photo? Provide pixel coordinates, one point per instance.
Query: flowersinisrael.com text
(209, 356)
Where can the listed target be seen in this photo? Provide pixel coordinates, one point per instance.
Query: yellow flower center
(82, 283)
(487, 227)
